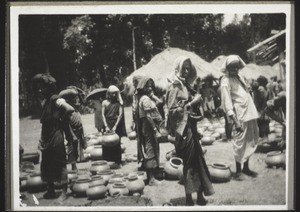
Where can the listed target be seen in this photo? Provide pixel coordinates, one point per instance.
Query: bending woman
(113, 119)
(148, 129)
(182, 126)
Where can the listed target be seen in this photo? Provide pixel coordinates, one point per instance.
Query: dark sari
(111, 114)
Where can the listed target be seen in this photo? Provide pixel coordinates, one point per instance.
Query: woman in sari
(55, 113)
(113, 119)
(148, 129)
(182, 126)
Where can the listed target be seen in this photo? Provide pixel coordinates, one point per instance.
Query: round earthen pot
(132, 135)
(80, 187)
(219, 173)
(135, 185)
(142, 175)
(98, 166)
(97, 179)
(118, 189)
(96, 191)
(31, 157)
(106, 175)
(275, 158)
(35, 183)
(72, 175)
(112, 181)
(110, 139)
(27, 165)
(172, 168)
(207, 140)
(96, 153)
(272, 137)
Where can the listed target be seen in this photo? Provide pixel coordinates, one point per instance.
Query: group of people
(181, 111)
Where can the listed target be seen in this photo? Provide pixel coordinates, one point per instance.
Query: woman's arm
(119, 118)
(103, 115)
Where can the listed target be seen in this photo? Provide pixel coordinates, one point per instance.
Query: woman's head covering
(178, 69)
(114, 89)
(143, 81)
(232, 59)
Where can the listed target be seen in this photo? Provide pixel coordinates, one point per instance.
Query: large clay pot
(172, 171)
(35, 183)
(72, 175)
(97, 179)
(106, 175)
(132, 135)
(99, 166)
(96, 153)
(96, 191)
(117, 177)
(89, 149)
(118, 189)
(275, 158)
(31, 157)
(110, 139)
(135, 185)
(171, 139)
(219, 173)
(80, 187)
(207, 140)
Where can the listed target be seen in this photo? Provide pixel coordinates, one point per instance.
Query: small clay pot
(275, 158)
(80, 187)
(110, 139)
(96, 191)
(142, 175)
(98, 166)
(31, 157)
(132, 135)
(118, 189)
(112, 181)
(207, 140)
(106, 175)
(96, 153)
(35, 183)
(219, 173)
(97, 179)
(135, 185)
(172, 171)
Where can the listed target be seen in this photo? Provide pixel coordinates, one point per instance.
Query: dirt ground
(269, 188)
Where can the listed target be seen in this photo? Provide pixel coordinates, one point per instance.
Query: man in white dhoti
(239, 106)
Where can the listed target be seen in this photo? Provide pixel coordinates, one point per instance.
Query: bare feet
(239, 176)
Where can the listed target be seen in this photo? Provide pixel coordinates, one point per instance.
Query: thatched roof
(161, 68)
(251, 71)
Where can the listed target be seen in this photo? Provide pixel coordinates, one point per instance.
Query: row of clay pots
(98, 187)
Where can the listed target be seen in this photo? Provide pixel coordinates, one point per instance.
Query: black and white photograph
(151, 106)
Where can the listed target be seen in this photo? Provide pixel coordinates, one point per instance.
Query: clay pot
(272, 129)
(219, 173)
(106, 175)
(271, 137)
(80, 187)
(117, 177)
(118, 189)
(27, 165)
(132, 135)
(171, 139)
(96, 153)
(135, 185)
(112, 181)
(110, 139)
(35, 183)
(96, 179)
(142, 175)
(207, 140)
(172, 171)
(31, 157)
(275, 158)
(216, 135)
(72, 175)
(99, 166)
(96, 191)
(113, 165)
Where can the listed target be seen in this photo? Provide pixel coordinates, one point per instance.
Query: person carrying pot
(239, 106)
(55, 113)
(182, 101)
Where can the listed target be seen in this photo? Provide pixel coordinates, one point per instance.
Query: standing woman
(113, 119)
(55, 111)
(238, 105)
(148, 129)
(182, 126)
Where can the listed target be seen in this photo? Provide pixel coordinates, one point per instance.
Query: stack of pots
(174, 169)
(80, 187)
(219, 173)
(135, 184)
(96, 153)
